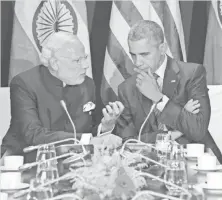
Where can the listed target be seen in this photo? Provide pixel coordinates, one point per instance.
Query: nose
(85, 64)
(138, 60)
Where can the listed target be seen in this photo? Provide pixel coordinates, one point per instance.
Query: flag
(118, 64)
(213, 45)
(35, 21)
(197, 31)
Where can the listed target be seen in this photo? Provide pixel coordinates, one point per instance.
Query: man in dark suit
(168, 83)
(37, 116)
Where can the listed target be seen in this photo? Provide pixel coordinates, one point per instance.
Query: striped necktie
(160, 125)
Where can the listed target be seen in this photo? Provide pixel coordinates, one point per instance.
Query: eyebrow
(140, 53)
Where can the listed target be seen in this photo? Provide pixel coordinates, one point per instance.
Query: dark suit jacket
(37, 116)
(182, 82)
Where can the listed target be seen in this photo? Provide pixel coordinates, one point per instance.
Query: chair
(5, 111)
(215, 94)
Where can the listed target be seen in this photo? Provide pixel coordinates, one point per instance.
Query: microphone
(33, 164)
(32, 148)
(147, 117)
(151, 194)
(162, 181)
(63, 104)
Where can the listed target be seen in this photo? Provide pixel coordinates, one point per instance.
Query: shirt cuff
(99, 130)
(161, 105)
(175, 135)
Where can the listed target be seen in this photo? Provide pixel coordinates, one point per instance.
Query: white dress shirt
(160, 72)
(160, 106)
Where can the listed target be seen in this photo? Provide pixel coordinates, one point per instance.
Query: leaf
(124, 184)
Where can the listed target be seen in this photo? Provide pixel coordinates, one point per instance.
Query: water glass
(39, 192)
(176, 152)
(162, 144)
(47, 170)
(45, 152)
(175, 173)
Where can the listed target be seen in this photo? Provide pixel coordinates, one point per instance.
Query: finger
(196, 101)
(196, 106)
(139, 76)
(196, 111)
(137, 70)
(190, 101)
(105, 114)
(109, 109)
(138, 81)
(144, 74)
(120, 105)
(138, 85)
(150, 73)
(114, 108)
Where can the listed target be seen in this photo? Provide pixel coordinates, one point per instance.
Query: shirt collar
(161, 70)
(64, 84)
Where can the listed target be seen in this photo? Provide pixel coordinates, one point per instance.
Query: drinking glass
(175, 173)
(162, 144)
(46, 151)
(47, 170)
(39, 192)
(176, 152)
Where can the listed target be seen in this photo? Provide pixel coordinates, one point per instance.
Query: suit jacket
(38, 117)
(182, 82)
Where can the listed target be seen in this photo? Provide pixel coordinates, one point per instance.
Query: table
(193, 177)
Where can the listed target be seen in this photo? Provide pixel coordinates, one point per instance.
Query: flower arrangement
(88, 107)
(113, 174)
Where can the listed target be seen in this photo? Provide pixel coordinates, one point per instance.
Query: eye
(145, 54)
(76, 60)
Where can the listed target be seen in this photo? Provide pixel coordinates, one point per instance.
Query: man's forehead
(71, 49)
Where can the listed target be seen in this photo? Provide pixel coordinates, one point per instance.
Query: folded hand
(192, 106)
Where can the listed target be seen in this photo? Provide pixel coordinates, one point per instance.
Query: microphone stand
(162, 181)
(67, 195)
(30, 165)
(138, 142)
(32, 148)
(146, 158)
(63, 104)
(147, 117)
(157, 194)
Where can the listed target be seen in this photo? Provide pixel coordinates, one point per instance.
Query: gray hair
(53, 44)
(146, 29)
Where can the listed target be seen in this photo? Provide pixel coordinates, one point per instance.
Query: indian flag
(37, 20)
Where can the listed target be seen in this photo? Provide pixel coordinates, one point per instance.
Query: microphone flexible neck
(70, 119)
(147, 117)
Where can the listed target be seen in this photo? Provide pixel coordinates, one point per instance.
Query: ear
(53, 63)
(163, 48)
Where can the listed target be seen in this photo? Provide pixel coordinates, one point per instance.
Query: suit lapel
(170, 81)
(145, 102)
